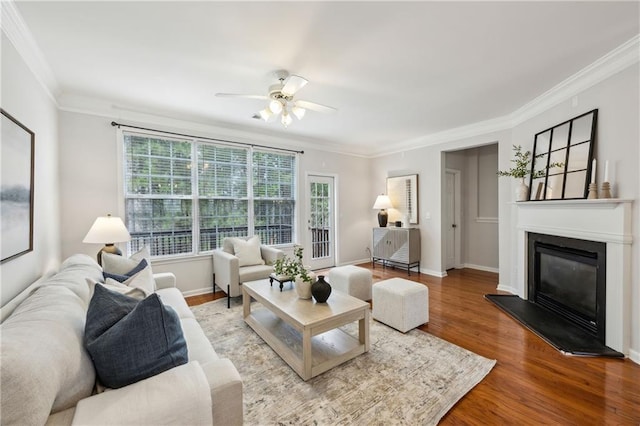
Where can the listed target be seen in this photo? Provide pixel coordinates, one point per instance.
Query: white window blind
(223, 194)
(233, 191)
(273, 194)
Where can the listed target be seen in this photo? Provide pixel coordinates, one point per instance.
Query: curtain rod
(113, 123)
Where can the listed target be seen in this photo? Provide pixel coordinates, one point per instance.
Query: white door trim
(457, 215)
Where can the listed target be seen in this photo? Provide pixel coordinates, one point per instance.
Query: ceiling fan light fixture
(298, 112)
(286, 119)
(265, 114)
(275, 106)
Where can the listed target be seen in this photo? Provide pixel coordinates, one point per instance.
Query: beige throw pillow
(114, 264)
(248, 252)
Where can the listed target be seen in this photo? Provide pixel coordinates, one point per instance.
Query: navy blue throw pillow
(122, 278)
(130, 340)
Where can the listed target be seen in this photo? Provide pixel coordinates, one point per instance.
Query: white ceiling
(395, 71)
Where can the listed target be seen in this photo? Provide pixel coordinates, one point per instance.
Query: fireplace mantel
(604, 220)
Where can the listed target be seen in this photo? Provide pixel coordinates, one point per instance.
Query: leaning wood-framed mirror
(571, 145)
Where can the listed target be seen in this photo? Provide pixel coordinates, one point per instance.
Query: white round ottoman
(400, 303)
(353, 280)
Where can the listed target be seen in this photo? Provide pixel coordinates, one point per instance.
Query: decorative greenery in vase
(522, 167)
(292, 268)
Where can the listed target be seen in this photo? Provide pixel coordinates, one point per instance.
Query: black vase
(320, 290)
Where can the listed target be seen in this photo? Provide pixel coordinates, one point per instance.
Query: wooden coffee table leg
(363, 332)
(306, 353)
(246, 304)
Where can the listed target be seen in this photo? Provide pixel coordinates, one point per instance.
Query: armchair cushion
(130, 340)
(247, 251)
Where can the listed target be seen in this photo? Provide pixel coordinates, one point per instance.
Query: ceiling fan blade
(235, 95)
(293, 84)
(315, 107)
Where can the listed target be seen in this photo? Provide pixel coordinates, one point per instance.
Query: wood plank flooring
(532, 383)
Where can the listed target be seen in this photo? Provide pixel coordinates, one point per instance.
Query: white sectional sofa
(48, 377)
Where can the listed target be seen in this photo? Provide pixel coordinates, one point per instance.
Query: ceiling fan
(281, 100)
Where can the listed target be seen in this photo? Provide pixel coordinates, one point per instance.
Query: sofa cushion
(174, 298)
(44, 367)
(73, 274)
(130, 340)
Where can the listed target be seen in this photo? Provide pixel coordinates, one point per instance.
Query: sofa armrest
(164, 280)
(226, 392)
(270, 254)
(177, 396)
(226, 269)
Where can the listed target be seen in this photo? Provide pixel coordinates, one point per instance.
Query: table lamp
(107, 230)
(383, 202)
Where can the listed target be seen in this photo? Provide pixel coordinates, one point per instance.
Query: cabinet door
(380, 243)
(400, 246)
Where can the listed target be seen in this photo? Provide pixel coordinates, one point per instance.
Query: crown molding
(612, 63)
(20, 36)
(620, 58)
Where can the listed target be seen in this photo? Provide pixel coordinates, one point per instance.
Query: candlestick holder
(593, 191)
(605, 192)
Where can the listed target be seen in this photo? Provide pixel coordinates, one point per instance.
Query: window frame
(195, 195)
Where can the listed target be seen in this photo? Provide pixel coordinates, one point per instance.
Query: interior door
(320, 252)
(451, 221)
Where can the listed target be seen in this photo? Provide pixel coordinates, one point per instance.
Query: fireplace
(568, 277)
(605, 221)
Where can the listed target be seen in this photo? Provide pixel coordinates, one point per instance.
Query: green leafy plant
(522, 165)
(292, 268)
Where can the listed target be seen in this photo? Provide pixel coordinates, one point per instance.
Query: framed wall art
(16, 192)
(403, 192)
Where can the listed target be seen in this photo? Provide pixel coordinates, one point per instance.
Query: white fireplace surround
(603, 220)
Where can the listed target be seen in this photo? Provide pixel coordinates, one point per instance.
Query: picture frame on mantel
(16, 192)
(403, 193)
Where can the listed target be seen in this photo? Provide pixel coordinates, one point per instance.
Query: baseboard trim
(356, 262)
(507, 288)
(481, 268)
(198, 291)
(439, 274)
(634, 356)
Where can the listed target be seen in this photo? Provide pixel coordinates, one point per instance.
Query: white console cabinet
(397, 247)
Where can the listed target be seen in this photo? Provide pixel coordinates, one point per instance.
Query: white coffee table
(305, 334)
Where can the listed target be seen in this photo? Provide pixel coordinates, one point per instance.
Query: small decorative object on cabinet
(321, 290)
(397, 247)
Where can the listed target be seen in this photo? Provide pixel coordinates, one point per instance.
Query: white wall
(25, 99)
(90, 182)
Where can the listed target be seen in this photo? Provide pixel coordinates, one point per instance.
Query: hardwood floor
(532, 383)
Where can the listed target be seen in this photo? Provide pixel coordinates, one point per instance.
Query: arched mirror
(569, 144)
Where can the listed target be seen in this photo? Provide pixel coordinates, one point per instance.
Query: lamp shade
(383, 202)
(107, 230)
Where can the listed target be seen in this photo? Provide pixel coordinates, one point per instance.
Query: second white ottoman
(400, 303)
(353, 280)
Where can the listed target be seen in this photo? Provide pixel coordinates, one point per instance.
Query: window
(184, 196)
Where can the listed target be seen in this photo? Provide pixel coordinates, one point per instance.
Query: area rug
(412, 378)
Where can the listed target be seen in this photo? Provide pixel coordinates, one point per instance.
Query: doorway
(320, 247)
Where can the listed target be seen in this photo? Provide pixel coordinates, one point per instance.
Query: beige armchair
(231, 269)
